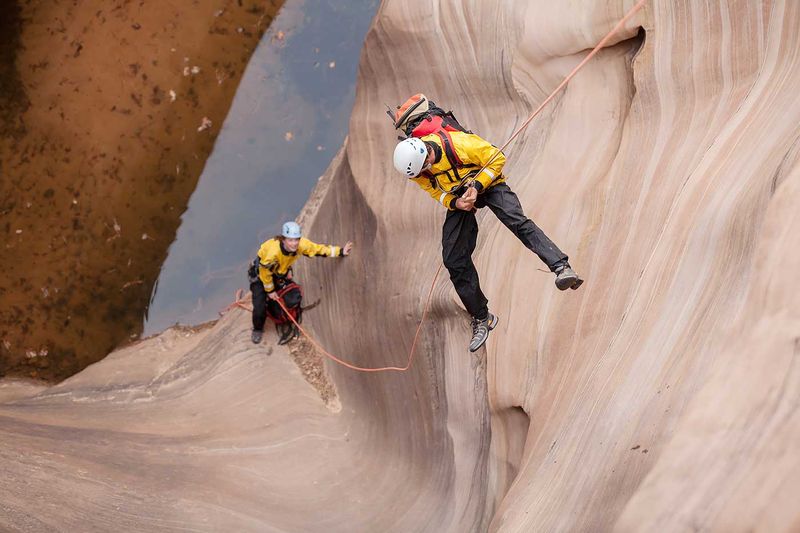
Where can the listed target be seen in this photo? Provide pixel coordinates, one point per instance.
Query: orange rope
(359, 368)
(538, 110)
(563, 84)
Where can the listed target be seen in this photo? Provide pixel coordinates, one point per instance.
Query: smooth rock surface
(661, 396)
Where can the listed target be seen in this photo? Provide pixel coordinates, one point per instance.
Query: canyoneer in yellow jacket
(446, 165)
(271, 279)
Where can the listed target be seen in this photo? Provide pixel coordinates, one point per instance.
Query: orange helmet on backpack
(418, 116)
(416, 105)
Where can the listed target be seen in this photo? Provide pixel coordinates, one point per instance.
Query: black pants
(460, 235)
(261, 303)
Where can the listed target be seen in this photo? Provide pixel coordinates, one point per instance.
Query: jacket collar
(284, 251)
(437, 151)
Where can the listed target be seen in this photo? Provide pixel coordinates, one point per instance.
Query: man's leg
(505, 205)
(259, 309)
(459, 237)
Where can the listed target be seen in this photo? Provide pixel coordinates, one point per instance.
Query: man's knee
(456, 263)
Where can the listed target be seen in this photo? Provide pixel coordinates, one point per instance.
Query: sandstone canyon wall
(661, 396)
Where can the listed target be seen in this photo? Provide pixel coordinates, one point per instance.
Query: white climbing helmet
(409, 157)
(291, 230)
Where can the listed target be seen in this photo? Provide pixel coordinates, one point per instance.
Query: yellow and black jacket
(458, 156)
(273, 261)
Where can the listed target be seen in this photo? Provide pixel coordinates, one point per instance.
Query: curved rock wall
(660, 396)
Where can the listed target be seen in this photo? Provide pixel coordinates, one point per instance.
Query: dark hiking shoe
(566, 278)
(256, 336)
(480, 331)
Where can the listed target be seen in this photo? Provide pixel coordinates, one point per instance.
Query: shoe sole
(577, 284)
(565, 283)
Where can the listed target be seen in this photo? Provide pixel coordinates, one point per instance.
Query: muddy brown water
(109, 112)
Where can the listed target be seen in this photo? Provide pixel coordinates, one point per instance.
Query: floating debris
(220, 76)
(131, 283)
(195, 70)
(172, 95)
(205, 124)
(219, 12)
(18, 231)
(332, 64)
(289, 136)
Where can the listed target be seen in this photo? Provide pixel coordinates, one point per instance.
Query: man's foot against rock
(566, 278)
(480, 331)
(256, 336)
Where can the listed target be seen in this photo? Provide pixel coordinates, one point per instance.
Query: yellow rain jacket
(445, 175)
(272, 260)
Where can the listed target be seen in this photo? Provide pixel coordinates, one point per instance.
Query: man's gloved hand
(273, 295)
(467, 200)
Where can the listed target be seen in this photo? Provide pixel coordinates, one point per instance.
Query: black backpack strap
(448, 149)
(453, 121)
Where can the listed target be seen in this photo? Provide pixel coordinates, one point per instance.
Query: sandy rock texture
(662, 396)
(108, 111)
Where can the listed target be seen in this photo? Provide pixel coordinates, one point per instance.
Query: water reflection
(288, 119)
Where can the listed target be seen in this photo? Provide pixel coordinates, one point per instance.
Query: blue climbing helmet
(291, 230)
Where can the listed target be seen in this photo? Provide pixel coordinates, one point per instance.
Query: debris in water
(332, 64)
(205, 124)
(130, 283)
(289, 136)
(172, 95)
